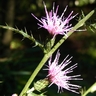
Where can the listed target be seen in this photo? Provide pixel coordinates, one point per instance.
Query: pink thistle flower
(54, 23)
(58, 74)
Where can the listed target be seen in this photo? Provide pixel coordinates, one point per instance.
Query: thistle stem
(90, 89)
(34, 74)
(24, 34)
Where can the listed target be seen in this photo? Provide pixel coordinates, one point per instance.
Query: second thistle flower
(54, 23)
(58, 74)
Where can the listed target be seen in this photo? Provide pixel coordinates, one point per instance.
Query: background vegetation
(19, 57)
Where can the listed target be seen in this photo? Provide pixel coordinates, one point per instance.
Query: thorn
(6, 24)
(35, 44)
(16, 27)
(25, 30)
(31, 34)
(23, 38)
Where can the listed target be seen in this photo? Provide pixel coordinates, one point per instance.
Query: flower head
(54, 23)
(58, 74)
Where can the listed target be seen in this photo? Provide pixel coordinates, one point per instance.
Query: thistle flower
(58, 74)
(54, 23)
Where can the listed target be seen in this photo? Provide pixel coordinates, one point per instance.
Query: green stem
(47, 55)
(24, 34)
(89, 90)
(34, 74)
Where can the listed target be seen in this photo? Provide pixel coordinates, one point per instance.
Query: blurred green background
(19, 58)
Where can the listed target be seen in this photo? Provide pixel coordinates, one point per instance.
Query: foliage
(19, 58)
